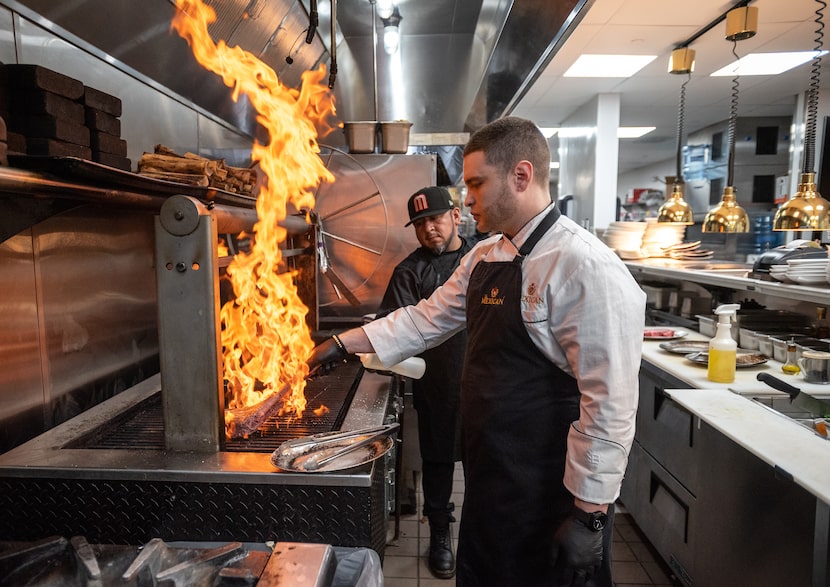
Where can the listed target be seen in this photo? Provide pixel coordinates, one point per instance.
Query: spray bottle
(412, 367)
(723, 348)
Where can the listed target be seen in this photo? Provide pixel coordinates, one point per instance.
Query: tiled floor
(405, 564)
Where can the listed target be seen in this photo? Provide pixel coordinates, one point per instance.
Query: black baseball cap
(429, 202)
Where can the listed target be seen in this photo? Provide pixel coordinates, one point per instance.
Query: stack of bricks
(102, 118)
(51, 114)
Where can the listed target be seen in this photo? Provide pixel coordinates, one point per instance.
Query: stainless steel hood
(462, 62)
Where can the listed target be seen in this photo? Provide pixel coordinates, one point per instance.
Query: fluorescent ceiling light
(633, 132)
(623, 132)
(608, 65)
(766, 63)
(554, 164)
(549, 131)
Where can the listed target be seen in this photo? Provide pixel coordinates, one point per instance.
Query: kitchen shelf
(727, 275)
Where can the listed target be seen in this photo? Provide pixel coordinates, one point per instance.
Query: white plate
(807, 279)
(807, 262)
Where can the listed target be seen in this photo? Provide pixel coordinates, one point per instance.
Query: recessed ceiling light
(608, 65)
(766, 63)
(633, 132)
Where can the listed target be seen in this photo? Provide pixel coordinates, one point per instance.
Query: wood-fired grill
(152, 462)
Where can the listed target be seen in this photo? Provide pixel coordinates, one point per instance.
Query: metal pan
(328, 452)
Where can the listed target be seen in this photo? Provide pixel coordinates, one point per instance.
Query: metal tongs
(317, 461)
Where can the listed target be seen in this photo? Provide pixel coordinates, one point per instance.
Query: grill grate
(142, 427)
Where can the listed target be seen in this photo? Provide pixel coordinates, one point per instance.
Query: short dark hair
(507, 141)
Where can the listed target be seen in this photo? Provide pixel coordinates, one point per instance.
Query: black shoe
(441, 559)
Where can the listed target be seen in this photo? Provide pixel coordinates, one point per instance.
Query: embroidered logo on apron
(492, 299)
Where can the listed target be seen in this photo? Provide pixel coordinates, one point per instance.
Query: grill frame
(131, 496)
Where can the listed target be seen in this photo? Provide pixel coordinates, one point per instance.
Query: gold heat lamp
(676, 209)
(806, 209)
(728, 215)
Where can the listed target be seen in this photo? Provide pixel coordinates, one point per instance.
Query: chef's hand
(577, 552)
(326, 356)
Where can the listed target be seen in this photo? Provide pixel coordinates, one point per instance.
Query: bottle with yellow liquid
(791, 366)
(723, 349)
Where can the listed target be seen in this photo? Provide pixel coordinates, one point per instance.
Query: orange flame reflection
(265, 338)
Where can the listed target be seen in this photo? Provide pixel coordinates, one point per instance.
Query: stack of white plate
(660, 235)
(626, 238)
(779, 272)
(688, 251)
(807, 271)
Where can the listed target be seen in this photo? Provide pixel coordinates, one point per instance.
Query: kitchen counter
(790, 449)
(745, 383)
(772, 437)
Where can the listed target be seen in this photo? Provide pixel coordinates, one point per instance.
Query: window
(766, 141)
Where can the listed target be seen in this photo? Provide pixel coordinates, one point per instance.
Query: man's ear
(523, 175)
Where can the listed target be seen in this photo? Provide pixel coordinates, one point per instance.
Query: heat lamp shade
(676, 210)
(805, 210)
(727, 216)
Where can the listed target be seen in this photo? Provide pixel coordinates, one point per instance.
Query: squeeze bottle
(413, 367)
(723, 348)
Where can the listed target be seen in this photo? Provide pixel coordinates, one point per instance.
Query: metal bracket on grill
(188, 291)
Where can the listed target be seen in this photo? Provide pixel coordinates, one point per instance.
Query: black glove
(577, 552)
(326, 356)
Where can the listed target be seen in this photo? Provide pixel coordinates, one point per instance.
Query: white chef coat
(583, 310)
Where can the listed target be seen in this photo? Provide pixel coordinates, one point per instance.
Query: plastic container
(361, 137)
(413, 367)
(722, 348)
(394, 136)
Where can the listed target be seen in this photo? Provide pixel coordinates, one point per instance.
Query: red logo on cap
(419, 203)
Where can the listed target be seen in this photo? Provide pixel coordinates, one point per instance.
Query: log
(186, 178)
(157, 162)
(162, 150)
(242, 422)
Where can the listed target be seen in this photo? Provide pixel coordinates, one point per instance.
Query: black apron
(517, 408)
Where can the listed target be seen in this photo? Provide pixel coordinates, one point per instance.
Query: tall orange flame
(265, 338)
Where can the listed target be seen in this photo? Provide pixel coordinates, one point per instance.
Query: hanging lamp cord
(681, 114)
(733, 121)
(812, 96)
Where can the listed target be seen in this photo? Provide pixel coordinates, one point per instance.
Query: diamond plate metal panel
(134, 512)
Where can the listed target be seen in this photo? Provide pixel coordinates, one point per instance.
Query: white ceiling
(651, 97)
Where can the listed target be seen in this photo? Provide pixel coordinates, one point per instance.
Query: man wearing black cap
(436, 395)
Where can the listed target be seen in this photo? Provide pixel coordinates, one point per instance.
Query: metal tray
(684, 347)
(742, 360)
(293, 458)
(81, 169)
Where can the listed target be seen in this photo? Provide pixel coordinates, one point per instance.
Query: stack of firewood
(191, 169)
